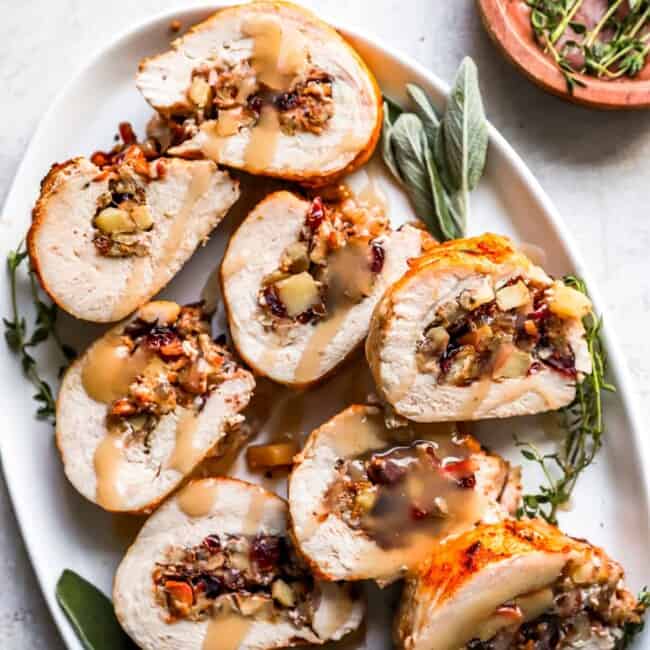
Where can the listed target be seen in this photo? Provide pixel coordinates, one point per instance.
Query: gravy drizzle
(197, 499)
(226, 630)
(185, 454)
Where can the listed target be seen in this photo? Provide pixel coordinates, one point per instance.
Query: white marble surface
(592, 164)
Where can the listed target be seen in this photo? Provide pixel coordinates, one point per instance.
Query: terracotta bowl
(508, 24)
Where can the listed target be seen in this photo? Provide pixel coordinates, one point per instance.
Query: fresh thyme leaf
(583, 424)
(20, 341)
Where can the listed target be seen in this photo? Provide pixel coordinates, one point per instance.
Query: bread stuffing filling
(390, 493)
(257, 577)
(588, 607)
(123, 221)
(336, 260)
(505, 331)
(232, 96)
(182, 366)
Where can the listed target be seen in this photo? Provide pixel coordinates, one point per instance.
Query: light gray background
(592, 164)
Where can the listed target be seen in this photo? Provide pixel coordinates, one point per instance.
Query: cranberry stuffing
(127, 134)
(565, 365)
(212, 586)
(378, 257)
(385, 472)
(164, 340)
(274, 303)
(286, 101)
(212, 543)
(467, 482)
(266, 552)
(234, 580)
(316, 214)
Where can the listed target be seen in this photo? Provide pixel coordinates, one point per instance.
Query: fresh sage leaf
(409, 143)
(386, 146)
(91, 614)
(447, 226)
(425, 111)
(465, 130)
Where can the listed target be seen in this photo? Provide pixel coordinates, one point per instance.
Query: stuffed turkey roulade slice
(300, 279)
(268, 88)
(516, 585)
(106, 237)
(214, 568)
(145, 404)
(475, 330)
(367, 501)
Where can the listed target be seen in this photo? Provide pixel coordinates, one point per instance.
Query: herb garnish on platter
(583, 422)
(614, 46)
(439, 161)
(22, 342)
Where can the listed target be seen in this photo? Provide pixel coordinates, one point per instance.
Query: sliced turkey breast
(105, 239)
(268, 88)
(300, 279)
(513, 585)
(146, 404)
(214, 569)
(475, 330)
(367, 501)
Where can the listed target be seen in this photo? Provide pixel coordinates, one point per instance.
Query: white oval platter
(61, 530)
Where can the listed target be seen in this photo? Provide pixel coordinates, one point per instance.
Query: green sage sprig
(91, 614)
(22, 342)
(583, 422)
(439, 161)
(631, 630)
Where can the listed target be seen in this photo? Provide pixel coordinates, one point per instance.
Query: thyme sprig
(617, 45)
(21, 341)
(631, 630)
(582, 421)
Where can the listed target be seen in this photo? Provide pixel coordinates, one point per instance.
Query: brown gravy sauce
(197, 499)
(106, 375)
(226, 630)
(185, 454)
(279, 54)
(391, 522)
(350, 279)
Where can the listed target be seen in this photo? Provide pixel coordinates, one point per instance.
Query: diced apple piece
(365, 499)
(200, 92)
(513, 296)
(511, 362)
(298, 293)
(566, 302)
(283, 593)
(278, 454)
(436, 340)
(478, 337)
(473, 298)
(163, 312)
(296, 257)
(142, 217)
(115, 220)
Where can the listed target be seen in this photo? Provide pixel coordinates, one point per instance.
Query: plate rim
(617, 361)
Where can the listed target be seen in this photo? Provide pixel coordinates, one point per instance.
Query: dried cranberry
(564, 364)
(255, 104)
(161, 169)
(266, 552)
(378, 257)
(274, 303)
(417, 513)
(385, 472)
(467, 482)
(286, 101)
(540, 314)
(160, 337)
(127, 134)
(462, 471)
(316, 214)
(102, 244)
(212, 543)
(100, 159)
(306, 317)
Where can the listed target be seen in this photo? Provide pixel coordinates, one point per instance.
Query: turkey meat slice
(513, 585)
(367, 502)
(146, 404)
(214, 567)
(269, 88)
(301, 277)
(104, 240)
(475, 330)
